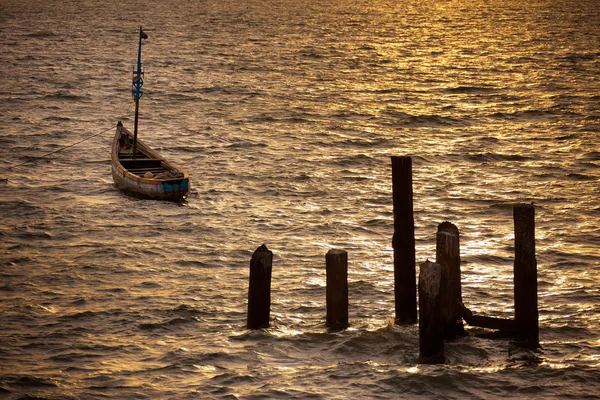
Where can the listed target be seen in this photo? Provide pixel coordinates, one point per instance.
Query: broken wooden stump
(431, 325)
(403, 242)
(448, 256)
(336, 265)
(259, 290)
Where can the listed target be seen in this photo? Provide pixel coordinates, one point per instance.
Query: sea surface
(285, 113)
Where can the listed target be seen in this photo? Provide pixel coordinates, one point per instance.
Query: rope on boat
(61, 149)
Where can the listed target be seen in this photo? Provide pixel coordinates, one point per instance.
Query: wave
(576, 57)
(581, 177)
(23, 208)
(496, 157)
(41, 34)
(525, 114)
(35, 234)
(568, 137)
(470, 90)
(149, 285)
(244, 144)
(355, 160)
(75, 356)
(65, 96)
(29, 381)
(592, 156)
(180, 97)
(229, 90)
(333, 142)
(487, 260)
(174, 322)
(57, 119)
(187, 309)
(81, 315)
(424, 120)
(191, 263)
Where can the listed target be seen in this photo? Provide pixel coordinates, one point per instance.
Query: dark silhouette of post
(431, 324)
(505, 327)
(447, 253)
(403, 242)
(336, 265)
(259, 291)
(526, 306)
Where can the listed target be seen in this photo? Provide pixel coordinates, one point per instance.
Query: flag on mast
(138, 75)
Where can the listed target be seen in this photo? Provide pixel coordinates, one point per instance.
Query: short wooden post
(403, 242)
(525, 270)
(336, 265)
(259, 291)
(431, 329)
(448, 256)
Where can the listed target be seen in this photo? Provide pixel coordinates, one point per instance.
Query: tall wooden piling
(431, 329)
(403, 242)
(336, 265)
(448, 256)
(259, 291)
(525, 270)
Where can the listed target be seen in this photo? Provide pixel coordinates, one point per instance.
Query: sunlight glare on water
(285, 115)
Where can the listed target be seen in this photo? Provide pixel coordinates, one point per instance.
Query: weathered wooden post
(259, 291)
(403, 242)
(431, 329)
(525, 270)
(336, 265)
(448, 256)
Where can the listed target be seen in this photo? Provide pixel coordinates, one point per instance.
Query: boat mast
(136, 90)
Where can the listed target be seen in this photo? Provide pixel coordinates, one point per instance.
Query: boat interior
(140, 166)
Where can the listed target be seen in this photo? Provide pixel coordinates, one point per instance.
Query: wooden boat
(136, 168)
(148, 175)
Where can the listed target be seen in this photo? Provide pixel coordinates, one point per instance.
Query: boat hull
(149, 188)
(148, 175)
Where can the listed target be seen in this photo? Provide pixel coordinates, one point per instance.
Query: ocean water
(285, 114)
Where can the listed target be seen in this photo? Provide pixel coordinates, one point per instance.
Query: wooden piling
(448, 256)
(525, 271)
(431, 329)
(259, 291)
(403, 242)
(336, 265)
